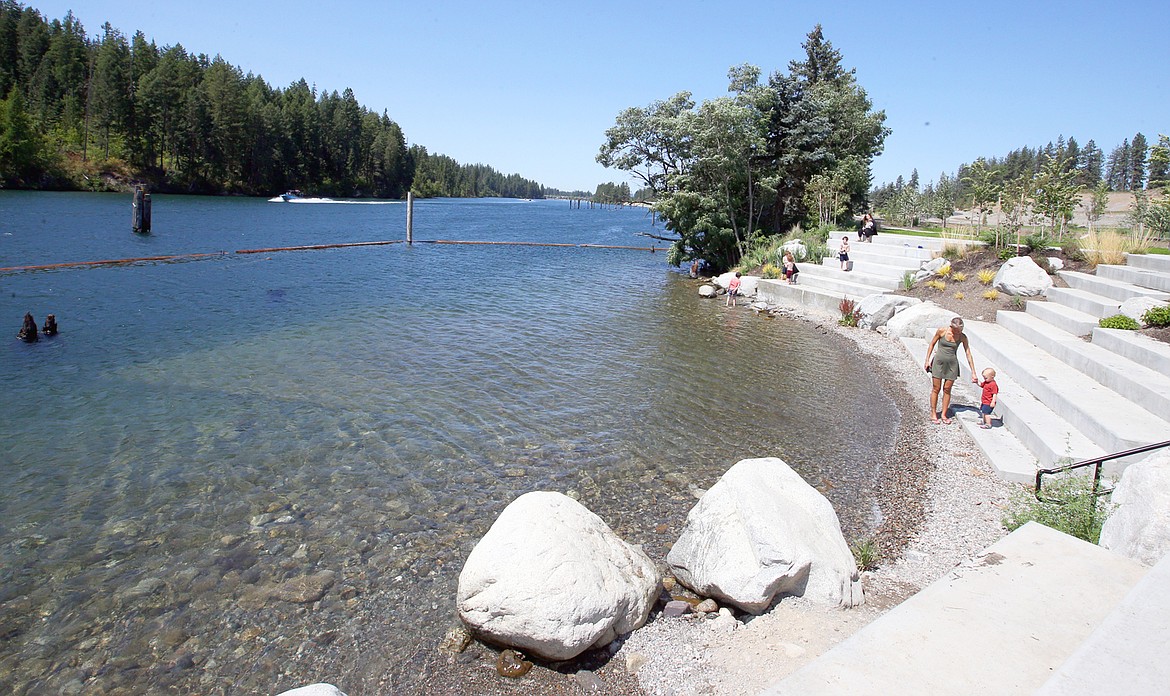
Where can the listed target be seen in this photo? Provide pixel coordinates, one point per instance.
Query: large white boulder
(314, 690)
(919, 321)
(1022, 277)
(747, 284)
(929, 269)
(707, 291)
(796, 246)
(877, 309)
(1136, 307)
(1140, 525)
(760, 532)
(551, 578)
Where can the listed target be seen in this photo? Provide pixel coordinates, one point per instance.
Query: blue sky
(531, 87)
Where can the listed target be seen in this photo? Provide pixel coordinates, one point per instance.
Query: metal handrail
(1096, 464)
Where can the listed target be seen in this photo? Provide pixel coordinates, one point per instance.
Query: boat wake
(278, 199)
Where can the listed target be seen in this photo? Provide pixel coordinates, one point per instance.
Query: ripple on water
(367, 426)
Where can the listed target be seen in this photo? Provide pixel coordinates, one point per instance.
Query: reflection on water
(201, 436)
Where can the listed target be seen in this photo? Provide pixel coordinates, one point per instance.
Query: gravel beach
(941, 503)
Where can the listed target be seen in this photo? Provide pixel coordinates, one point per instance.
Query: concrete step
(1064, 318)
(1084, 301)
(1106, 287)
(1141, 349)
(1108, 419)
(857, 276)
(1149, 262)
(1000, 623)
(871, 268)
(898, 239)
(801, 294)
(1044, 438)
(885, 254)
(839, 282)
(1143, 386)
(1145, 278)
(1126, 653)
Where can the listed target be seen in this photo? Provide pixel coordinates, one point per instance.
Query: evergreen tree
(1117, 170)
(1090, 163)
(1137, 162)
(1160, 163)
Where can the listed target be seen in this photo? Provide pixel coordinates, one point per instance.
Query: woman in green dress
(944, 369)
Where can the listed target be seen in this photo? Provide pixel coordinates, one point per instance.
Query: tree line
(789, 150)
(83, 112)
(1043, 184)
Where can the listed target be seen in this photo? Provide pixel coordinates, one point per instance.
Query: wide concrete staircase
(1038, 612)
(878, 267)
(1070, 390)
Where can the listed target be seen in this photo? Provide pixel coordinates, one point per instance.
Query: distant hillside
(106, 112)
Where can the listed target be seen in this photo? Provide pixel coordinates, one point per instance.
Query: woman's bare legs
(936, 384)
(946, 400)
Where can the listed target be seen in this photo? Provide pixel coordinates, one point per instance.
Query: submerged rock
(512, 664)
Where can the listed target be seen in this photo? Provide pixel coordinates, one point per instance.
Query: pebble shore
(941, 503)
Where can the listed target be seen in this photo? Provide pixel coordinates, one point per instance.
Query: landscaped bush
(908, 280)
(945, 271)
(959, 277)
(937, 285)
(1008, 252)
(1080, 513)
(991, 294)
(952, 252)
(986, 276)
(1034, 242)
(1157, 316)
(865, 553)
(850, 314)
(959, 295)
(771, 271)
(1072, 250)
(1119, 321)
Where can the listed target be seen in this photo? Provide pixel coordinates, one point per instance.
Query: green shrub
(1017, 303)
(908, 280)
(1042, 261)
(1119, 321)
(1008, 252)
(1079, 513)
(1072, 250)
(1033, 242)
(1157, 316)
(865, 552)
(816, 251)
(952, 252)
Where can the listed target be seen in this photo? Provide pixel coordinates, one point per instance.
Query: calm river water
(202, 435)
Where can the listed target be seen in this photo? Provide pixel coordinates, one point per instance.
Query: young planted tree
(1096, 203)
(1056, 194)
(983, 189)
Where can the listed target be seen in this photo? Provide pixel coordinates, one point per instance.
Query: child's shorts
(985, 409)
(844, 257)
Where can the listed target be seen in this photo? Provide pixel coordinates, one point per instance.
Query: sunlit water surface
(203, 432)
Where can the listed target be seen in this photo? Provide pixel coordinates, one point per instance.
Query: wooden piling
(137, 210)
(410, 217)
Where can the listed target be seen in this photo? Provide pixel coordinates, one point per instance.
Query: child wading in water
(990, 392)
(733, 289)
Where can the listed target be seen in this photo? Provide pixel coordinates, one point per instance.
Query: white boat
(295, 196)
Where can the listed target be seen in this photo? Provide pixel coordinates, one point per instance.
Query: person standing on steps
(843, 252)
(944, 369)
(990, 395)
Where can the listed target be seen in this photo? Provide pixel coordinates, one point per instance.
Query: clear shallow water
(203, 432)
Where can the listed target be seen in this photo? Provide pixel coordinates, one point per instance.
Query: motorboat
(291, 195)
